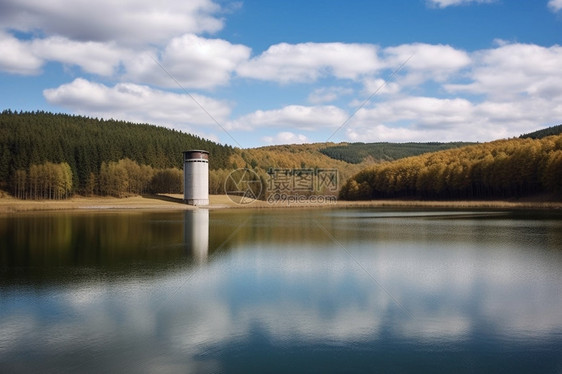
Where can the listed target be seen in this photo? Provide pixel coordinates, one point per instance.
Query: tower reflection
(196, 234)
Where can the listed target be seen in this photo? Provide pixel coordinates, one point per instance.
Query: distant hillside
(554, 130)
(294, 156)
(356, 153)
(509, 168)
(290, 156)
(33, 138)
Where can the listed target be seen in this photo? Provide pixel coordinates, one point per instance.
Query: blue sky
(252, 73)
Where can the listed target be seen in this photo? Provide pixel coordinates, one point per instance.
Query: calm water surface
(243, 291)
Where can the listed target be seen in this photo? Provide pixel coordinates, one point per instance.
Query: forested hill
(32, 138)
(508, 168)
(356, 153)
(554, 130)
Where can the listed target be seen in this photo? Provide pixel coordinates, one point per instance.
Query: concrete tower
(196, 177)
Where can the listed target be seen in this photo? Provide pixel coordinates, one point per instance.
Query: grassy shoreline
(9, 205)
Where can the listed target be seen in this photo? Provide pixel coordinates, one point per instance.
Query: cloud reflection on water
(464, 284)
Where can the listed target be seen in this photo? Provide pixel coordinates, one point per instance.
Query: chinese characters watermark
(286, 186)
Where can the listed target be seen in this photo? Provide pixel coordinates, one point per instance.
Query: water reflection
(196, 233)
(400, 293)
(48, 248)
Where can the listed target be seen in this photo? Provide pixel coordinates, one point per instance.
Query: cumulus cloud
(292, 117)
(424, 62)
(519, 90)
(129, 21)
(193, 61)
(555, 5)
(428, 111)
(433, 119)
(518, 85)
(392, 132)
(28, 57)
(511, 70)
(446, 3)
(125, 37)
(308, 62)
(137, 103)
(286, 137)
(17, 57)
(92, 57)
(328, 94)
(379, 86)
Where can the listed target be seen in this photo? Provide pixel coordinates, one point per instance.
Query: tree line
(356, 153)
(126, 177)
(116, 158)
(116, 178)
(45, 181)
(543, 133)
(500, 169)
(45, 155)
(85, 144)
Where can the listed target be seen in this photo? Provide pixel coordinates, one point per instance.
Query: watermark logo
(243, 186)
(302, 180)
(297, 199)
(283, 186)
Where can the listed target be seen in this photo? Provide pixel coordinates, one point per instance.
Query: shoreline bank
(9, 205)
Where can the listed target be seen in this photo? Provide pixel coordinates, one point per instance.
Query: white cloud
(308, 62)
(380, 87)
(92, 57)
(432, 57)
(424, 62)
(292, 117)
(286, 137)
(17, 57)
(193, 61)
(512, 70)
(555, 5)
(137, 103)
(519, 86)
(428, 111)
(128, 21)
(328, 94)
(446, 3)
(28, 57)
(432, 119)
(519, 116)
(396, 133)
(107, 37)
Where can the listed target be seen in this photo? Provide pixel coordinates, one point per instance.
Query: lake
(282, 290)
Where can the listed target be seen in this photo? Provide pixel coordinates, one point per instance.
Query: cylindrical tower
(196, 177)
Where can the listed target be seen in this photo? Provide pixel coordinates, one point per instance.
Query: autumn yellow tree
(500, 169)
